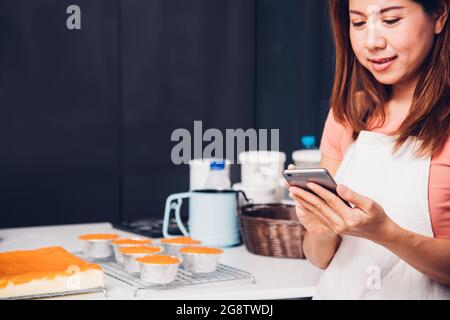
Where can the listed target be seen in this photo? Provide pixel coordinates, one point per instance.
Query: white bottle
(309, 156)
(218, 177)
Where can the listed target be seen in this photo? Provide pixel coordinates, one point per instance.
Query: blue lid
(217, 165)
(309, 142)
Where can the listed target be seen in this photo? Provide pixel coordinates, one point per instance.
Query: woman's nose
(375, 39)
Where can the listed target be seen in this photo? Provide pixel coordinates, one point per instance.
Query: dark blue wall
(294, 59)
(59, 117)
(86, 115)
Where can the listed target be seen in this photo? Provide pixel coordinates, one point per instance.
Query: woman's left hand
(366, 220)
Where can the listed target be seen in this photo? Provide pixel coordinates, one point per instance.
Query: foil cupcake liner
(200, 263)
(130, 263)
(173, 249)
(97, 249)
(118, 256)
(158, 273)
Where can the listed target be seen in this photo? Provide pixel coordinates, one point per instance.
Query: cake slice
(50, 270)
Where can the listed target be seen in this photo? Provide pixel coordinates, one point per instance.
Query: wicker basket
(272, 230)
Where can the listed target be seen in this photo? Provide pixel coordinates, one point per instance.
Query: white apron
(362, 269)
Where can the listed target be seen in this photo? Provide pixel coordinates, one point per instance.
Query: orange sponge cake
(45, 271)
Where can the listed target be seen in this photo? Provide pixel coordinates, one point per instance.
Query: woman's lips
(380, 65)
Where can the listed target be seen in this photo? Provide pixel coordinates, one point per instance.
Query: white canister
(199, 171)
(261, 168)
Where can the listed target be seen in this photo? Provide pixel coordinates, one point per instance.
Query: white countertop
(275, 278)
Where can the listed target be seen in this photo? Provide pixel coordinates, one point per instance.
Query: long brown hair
(357, 97)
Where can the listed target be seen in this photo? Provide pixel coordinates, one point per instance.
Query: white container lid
(262, 157)
(307, 156)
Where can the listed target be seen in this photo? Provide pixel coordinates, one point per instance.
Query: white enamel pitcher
(213, 216)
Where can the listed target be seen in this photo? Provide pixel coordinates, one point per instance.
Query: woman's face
(391, 38)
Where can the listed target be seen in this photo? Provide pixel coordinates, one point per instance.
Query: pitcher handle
(174, 202)
(239, 206)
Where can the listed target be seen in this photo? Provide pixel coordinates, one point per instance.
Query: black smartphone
(322, 177)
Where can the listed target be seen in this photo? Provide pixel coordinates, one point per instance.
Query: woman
(386, 140)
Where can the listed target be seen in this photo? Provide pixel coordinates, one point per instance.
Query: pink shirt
(337, 138)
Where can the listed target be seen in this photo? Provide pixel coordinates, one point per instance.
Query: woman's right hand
(316, 227)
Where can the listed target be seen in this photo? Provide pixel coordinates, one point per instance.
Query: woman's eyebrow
(381, 11)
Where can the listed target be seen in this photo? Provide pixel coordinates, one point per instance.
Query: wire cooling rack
(223, 275)
(59, 294)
